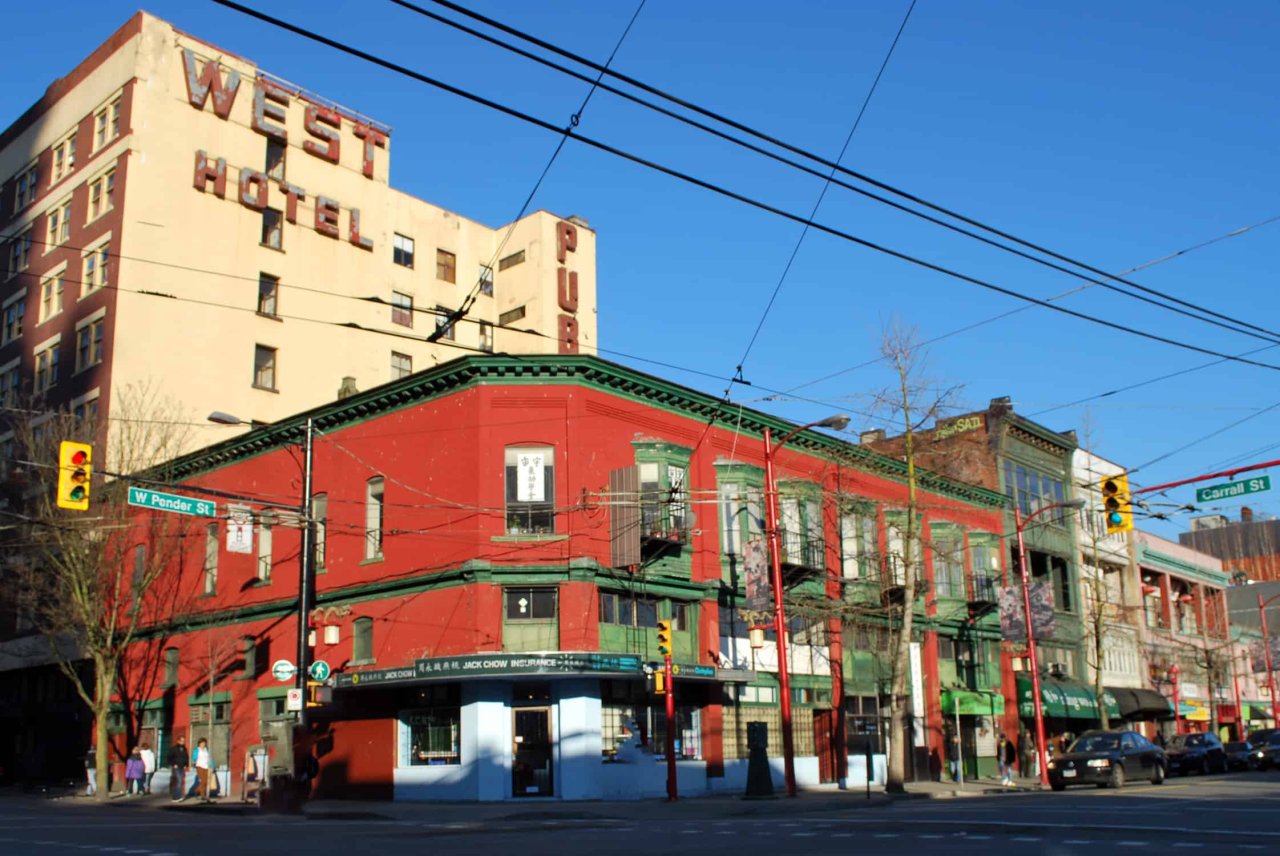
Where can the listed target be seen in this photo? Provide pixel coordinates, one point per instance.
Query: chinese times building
(497, 540)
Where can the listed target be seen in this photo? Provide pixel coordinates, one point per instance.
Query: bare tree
(88, 582)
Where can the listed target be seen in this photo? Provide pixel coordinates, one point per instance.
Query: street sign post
(153, 499)
(320, 670)
(1233, 489)
(283, 670)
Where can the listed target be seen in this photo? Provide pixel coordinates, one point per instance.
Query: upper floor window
(374, 514)
(14, 311)
(64, 158)
(84, 410)
(20, 252)
(59, 224)
(402, 309)
(897, 557)
(25, 189)
(95, 269)
(171, 667)
(628, 610)
(984, 565)
(320, 517)
(859, 547)
(211, 558)
(268, 294)
(740, 516)
(275, 159)
(401, 365)
(446, 266)
(530, 604)
(10, 383)
(264, 367)
(663, 497)
(1032, 490)
(362, 640)
(106, 123)
(46, 368)
(272, 229)
(530, 490)
(445, 323)
(402, 250)
(947, 550)
(51, 296)
(511, 261)
(486, 280)
(800, 531)
(89, 343)
(102, 194)
(511, 316)
(486, 337)
(264, 552)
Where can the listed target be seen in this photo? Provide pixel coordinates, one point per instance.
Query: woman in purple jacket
(135, 770)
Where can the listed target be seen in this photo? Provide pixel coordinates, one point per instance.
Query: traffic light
(656, 682)
(318, 694)
(1116, 501)
(664, 637)
(75, 465)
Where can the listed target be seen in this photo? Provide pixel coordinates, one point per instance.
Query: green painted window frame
(740, 500)
(949, 579)
(664, 507)
(800, 502)
(864, 539)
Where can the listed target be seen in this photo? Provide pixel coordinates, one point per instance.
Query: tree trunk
(103, 682)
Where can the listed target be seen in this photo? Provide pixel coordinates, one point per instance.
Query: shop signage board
(506, 665)
(1215, 492)
(158, 501)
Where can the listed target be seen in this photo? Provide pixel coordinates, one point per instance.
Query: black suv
(1200, 753)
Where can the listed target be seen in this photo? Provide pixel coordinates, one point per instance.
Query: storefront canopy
(972, 703)
(1258, 710)
(1138, 703)
(1062, 698)
(1194, 710)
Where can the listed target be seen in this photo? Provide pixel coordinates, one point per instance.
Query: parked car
(1269, 752)
(1243, 755)
(1108, 759)
(1199, 753)
(1261, 736)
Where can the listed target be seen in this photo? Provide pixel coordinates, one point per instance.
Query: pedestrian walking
(202, 761)
(91, 770)
(148, 765)
(178, 762)
(134, 772)
(1006, 757)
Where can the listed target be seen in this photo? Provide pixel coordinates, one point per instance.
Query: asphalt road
(1213, 815)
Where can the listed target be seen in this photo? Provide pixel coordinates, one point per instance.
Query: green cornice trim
(204, 699)
(1048, 435)
(273, 692)
(1158, 561)
(470, 371)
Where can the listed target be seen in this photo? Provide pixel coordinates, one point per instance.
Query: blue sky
(1113, 133)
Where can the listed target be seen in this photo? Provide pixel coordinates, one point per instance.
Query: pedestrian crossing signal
(1117, 503)
(75, 466)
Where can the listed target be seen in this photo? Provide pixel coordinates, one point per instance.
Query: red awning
(1228, 713)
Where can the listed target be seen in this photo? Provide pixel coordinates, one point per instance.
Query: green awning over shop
(1061, 698)
(972, 703)
(1258, 710)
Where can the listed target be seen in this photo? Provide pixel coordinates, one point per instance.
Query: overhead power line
(715, 188)
(834, 166)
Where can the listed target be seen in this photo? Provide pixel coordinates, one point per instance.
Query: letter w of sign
(201, 82)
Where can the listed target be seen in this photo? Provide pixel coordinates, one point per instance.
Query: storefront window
(431, 735)
(633, 725)
(862, 724)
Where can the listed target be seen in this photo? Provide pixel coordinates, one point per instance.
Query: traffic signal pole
(672, 793)
(306, 594)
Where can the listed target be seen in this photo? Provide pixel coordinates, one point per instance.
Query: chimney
(348, 388)
(1246, 514)
(875, 435)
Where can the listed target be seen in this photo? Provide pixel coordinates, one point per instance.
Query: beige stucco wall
(203, 252)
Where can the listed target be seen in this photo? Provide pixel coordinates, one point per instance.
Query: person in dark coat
(178, 761)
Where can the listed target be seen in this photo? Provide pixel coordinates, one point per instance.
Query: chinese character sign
(530, 474)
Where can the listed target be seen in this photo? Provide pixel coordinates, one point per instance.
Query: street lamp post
(1020, 523)
(306, 576)
(1266, 649)
(779, 611)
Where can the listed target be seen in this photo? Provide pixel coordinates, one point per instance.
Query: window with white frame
(374, 517)
(859, 548)
(51, 295)
(896, 559)
(264, 552)
(401, 365)
(96, 269)
(10, 382)
(530, 490)
(106, 123)
(59, 227)
(663, 497)
(84, 410)
(402, 250)
(446, 266)
(274, 166)
(64, 157)
(268, 294)
(46, 374)
(431, 734)
(25, 187)
(89, 342)
(211, 558)
(20, 252)
(740, 516)
(264, 367)
(102, 194)
(947, 551)
(486, 280)
(14, 311)
(486, 337)
(402, 309)
(272, 228)
(444, 323)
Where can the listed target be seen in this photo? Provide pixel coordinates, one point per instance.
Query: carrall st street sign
(1226, 491)
(172, 502)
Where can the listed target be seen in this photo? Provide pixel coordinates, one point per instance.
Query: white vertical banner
(239, 529)
(917, 695)
(531, 483)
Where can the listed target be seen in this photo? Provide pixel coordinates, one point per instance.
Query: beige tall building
(173, 214)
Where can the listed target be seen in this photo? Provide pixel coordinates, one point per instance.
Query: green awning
(1061, 698)
(972, 703)
(1259, 711)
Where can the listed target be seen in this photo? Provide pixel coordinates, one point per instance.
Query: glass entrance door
(531, 753)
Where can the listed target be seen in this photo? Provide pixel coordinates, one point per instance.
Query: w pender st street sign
(172, 503)
(1233, 489)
